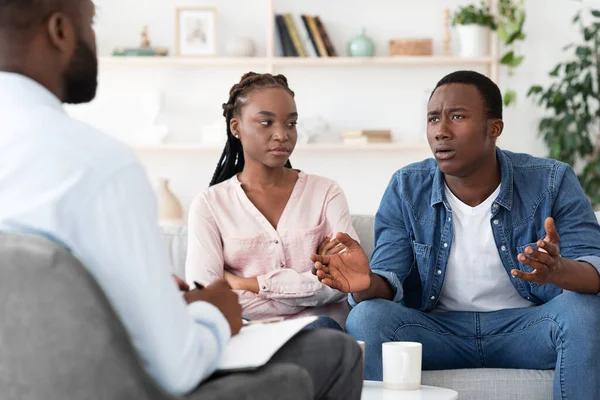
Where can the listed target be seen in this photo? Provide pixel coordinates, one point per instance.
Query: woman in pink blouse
(260, 220)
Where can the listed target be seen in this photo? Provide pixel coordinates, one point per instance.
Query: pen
(198, 285)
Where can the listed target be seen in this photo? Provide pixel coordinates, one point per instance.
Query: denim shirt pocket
(524, 267)
(422, 254)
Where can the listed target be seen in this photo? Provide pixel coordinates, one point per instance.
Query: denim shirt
(414, 230)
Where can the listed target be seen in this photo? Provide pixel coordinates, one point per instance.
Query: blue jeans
(562, 334)
(324, 322)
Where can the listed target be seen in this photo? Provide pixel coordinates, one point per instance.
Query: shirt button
(445, 244)
(439, 271)
(281, 265)
(276, 242)
(449, 219)
(496, 222)
(432, 297)
(264, 288)
(503, 248)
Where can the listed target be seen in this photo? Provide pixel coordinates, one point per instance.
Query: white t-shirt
(475, 278)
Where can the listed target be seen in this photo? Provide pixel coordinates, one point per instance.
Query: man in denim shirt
(488, 258)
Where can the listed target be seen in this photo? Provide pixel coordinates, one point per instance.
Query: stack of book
(367, 136)
(302, 36)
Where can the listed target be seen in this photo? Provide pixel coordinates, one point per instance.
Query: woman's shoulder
(319, 180)
(216, 194)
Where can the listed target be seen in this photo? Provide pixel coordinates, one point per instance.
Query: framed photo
(196, 31)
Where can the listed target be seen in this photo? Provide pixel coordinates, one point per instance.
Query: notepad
(256, 344)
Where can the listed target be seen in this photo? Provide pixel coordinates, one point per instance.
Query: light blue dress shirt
(65, 180)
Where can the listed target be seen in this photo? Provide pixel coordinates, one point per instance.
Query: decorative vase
(240, 47)
(361, 46)
(170, 211)
(473, 40)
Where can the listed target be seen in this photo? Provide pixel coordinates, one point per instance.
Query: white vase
(170, 211)
(240, 47)
(474, 40)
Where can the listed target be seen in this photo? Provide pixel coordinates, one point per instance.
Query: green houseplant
(471, 21)
(510, 21)
(571, 128)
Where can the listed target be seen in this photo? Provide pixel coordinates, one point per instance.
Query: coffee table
(374, 390)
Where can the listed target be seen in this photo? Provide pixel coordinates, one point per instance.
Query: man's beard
(81, 77)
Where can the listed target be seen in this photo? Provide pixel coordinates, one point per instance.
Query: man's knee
(577, 312)
(372, 317)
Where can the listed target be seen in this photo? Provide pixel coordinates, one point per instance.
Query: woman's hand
(330, 247)
(239, 283)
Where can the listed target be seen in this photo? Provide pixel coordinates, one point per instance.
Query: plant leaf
(596, 13)
(534, 90)
(510, 96)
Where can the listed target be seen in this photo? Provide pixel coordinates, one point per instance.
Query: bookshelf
(271, 62)
(177, 148)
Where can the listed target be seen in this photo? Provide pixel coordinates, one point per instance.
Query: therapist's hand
(220, 295)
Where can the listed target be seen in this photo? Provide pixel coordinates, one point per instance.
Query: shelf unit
(177, 148)
(271, 62)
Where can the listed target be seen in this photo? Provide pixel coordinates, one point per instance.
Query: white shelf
(180, 61)
(164, 62)
(391, 60)
(194, 147)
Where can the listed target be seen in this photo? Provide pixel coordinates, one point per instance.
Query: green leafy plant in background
(571, 129)
(473, 15)
(510, 21)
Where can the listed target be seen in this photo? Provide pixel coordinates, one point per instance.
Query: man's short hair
(17, 17)
(489, 91)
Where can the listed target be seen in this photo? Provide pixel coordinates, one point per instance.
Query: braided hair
(232, 158)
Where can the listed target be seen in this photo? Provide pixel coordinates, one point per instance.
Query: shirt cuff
(210, 316)
(392, 279)
(263, 285)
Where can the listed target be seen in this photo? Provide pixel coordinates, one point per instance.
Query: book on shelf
(366, 140)
(371, 133)
(302, 36)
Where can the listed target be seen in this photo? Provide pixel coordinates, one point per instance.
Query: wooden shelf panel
(169, 62)
(185, 147)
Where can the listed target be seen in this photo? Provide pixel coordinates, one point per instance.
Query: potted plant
(472, 25)
(571, 128)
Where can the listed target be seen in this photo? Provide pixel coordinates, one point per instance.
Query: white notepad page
(256, 344)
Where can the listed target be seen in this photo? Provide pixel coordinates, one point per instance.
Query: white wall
(346, 97)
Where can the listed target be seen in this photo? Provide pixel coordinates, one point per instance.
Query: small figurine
(145, 39)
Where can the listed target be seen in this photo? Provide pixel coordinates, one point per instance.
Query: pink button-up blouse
(227, 230)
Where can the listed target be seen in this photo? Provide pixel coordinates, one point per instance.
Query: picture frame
(196, 31)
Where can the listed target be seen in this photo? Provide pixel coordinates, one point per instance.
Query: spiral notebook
(256, 344)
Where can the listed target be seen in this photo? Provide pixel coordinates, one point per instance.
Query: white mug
(402, 365)
(361, 344)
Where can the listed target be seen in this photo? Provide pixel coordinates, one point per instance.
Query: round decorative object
(361, 46)
(240, 47)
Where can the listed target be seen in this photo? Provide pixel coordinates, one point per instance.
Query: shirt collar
(505, 197)
(20, 89)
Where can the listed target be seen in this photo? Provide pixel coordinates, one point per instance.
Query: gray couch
(476, 384)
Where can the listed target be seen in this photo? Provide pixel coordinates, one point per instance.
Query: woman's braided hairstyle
(232, 158)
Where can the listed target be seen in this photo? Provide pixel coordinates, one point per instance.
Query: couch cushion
(494, 384)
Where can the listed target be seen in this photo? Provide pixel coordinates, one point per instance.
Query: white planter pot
(474, 40)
